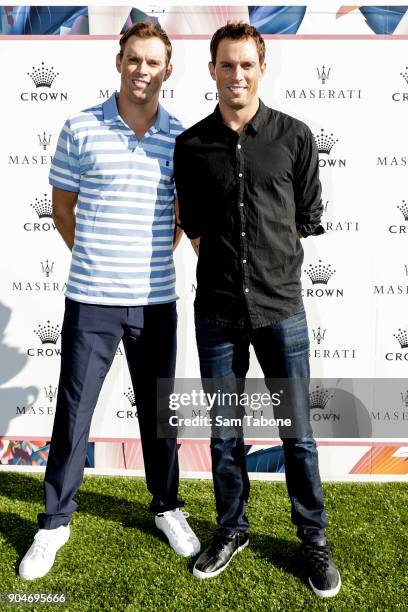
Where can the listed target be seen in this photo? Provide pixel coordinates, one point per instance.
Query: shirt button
(242, 233)
(240, 175)
(246, 290)
(241, 204)
(238, 146)
(244, 261)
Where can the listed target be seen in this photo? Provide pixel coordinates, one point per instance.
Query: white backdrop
(353, 320)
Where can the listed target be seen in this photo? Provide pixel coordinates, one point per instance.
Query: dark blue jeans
(282, 350)
(89, 339)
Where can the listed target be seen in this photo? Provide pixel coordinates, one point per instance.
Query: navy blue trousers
(90, 337)
(282, 350)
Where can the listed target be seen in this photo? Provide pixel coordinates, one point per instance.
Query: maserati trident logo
(45, 140)
(43, 76)
(323, 74)
(48, 334)
(47, 268)
(50, 393)
(318, 334)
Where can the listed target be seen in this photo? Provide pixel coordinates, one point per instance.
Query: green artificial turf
(116, 560)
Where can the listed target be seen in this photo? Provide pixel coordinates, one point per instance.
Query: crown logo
(404, 209)
(43, 207)
(130, 394)
(405, 74)
(50, 392)
(402, 338)
(324, 142)
(44, 141)
(323, 74)
(47, 268)
(48, 334)
(319, 335)
(319, 398)
(42, 76)
(320, 274)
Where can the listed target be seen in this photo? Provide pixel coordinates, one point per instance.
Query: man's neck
(139, 117)
(236, 119)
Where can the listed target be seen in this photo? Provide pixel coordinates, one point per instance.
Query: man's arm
(307, 189)
(178, 232)
(190, 208)
(63, 207)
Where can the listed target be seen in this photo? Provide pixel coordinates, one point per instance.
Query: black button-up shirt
(246, 196)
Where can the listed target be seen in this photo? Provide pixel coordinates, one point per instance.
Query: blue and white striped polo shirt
(122, 251)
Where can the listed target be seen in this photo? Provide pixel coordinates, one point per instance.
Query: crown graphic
(48, 334)
(42, 76)
(319, 335)
(404, 209)
(44, 141)
(43, 207)
(50, 392)
(324, 142)
(47, 268)
(320, 273)
(320, 397)
(402, 338)
(130, 394)
(323, 74)
(405, 74)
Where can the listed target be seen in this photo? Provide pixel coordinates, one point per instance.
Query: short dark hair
(146, 29)
(237, 30)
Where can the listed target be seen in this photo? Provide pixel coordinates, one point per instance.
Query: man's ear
(118, 63)
(168, 72)
(211, 68)
(263, 69)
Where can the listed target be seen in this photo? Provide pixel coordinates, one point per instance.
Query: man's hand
(63, 207)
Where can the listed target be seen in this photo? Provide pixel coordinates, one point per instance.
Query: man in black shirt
(248, 190)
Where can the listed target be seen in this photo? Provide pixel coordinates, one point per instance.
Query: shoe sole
(204, 575)
(327, 592)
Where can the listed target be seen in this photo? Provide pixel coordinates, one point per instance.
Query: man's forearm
(178, 232)
(65, 224)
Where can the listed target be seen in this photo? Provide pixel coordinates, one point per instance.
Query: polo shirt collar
(111, 114)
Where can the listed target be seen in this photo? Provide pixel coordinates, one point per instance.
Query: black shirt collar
(256, 123)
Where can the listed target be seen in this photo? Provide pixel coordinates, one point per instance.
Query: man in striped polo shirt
(114, 163)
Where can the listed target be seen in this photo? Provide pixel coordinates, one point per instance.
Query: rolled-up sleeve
(308, 189)
(65, 167)
(188, 190)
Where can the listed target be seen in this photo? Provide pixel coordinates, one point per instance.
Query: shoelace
(41, 543)
(178, 524)
(318, 556)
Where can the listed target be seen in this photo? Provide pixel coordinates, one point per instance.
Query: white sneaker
(40, 557)
(181, 537)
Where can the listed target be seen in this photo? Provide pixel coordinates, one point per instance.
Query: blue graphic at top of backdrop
(276, 19)
(383, 19)
(44, 20)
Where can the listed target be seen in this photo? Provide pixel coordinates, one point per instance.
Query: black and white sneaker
(215, 559)
(323, 575)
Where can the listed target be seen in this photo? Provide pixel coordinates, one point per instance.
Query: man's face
(237, 72)
(142, 69)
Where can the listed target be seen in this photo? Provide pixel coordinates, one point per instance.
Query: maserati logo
(323, 74)
(47, 268)
(50, 393)
(48, 334)
(45, 140)
(43, 76)
(318, 335)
